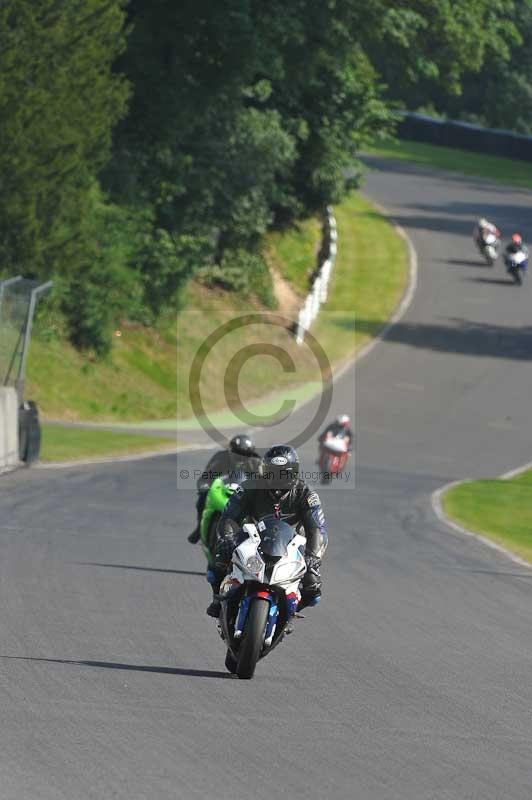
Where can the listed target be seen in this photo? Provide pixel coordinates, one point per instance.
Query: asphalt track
(410, 682)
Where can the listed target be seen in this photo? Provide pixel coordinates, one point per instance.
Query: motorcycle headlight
(287, 572)
(254, 564)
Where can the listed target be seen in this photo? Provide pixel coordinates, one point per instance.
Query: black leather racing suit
(514, 248)
(335, 429)
(299, 505)
(224, 462)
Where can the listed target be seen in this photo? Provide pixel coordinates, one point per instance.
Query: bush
(242, 272)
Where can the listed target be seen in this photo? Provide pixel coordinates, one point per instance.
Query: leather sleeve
(313, 520)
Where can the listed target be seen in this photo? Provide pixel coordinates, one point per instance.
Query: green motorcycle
(219, 493)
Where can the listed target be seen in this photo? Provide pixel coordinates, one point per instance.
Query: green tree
(424, 48)
(58, 103)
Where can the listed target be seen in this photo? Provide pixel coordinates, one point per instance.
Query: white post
(316, 297)
(325, 275)
(320, 286)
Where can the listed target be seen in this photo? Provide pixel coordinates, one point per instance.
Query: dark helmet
(280, 467)
(242, 444)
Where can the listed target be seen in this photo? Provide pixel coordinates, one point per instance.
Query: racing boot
(194, 537)
(215, 579)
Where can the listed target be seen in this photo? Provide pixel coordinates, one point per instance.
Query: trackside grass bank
(368, 279)
(367, 282)
(294, 252)
(501, 510)
(502, 170)
(146, 376)
(70, 444)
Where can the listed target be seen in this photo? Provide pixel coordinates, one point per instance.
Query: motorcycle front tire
(230, 662)
(252, 638)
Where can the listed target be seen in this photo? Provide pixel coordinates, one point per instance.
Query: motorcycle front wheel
(252, 638)
(230, 662)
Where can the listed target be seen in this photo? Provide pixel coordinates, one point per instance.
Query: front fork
(292, 600)
(243, 611)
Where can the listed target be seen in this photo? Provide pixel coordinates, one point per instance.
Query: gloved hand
(311, 583)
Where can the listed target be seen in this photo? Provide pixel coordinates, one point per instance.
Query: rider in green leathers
(240, 456)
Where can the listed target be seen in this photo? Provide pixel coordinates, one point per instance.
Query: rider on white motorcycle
(517, 246)
(482, 229)
(278, 492)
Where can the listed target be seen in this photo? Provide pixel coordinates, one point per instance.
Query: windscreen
(275, 537)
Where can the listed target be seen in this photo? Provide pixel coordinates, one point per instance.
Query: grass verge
(368, 279)
(146, 376)
(294, 252)
(495, 168)
(72, 444)
(501, 510)
(136, 382)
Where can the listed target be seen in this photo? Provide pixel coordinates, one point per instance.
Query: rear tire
(252, 638)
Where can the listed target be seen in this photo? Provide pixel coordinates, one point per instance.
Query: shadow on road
(494, 281)
(193, 673)
(141, 569)
(458, 336)
(460, 262)
(501, 573)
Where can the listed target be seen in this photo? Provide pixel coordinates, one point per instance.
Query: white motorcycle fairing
(254, 576)
(337, 444)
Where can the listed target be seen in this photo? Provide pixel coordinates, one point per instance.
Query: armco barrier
(320, 284)
(450, 133)
(9, 454)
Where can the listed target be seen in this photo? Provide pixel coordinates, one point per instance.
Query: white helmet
(343, 420)
(483, 223)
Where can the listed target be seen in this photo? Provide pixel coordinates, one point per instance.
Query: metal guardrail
(463, 135)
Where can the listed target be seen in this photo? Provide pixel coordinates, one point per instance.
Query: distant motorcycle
(260, 596)
(334, 452)
(516, 265)
(490, 247)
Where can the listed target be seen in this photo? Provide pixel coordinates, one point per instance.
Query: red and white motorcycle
(334, 452)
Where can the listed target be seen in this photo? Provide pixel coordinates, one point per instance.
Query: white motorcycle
(490, 248)
(260, 596)
(517, 265)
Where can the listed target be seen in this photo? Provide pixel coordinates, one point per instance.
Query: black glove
(310, 583)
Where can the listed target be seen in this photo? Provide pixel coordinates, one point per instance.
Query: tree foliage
(241, 115)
